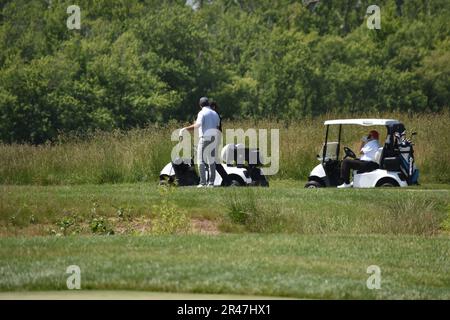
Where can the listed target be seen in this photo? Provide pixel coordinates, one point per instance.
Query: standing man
(207, 123)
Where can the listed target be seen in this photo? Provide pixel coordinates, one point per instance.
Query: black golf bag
(399, 154)
(248, 158)
(407, 165)
(185, 173)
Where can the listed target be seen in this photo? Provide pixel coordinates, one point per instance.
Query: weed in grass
(13, 220)
(20, 217)
(410, 215)
(240, 208)
(69, 224)
(446, 223)
(123, 214)
(285, 207)
(99, 225)
(94, 208)
(243, 208)
(169, 219)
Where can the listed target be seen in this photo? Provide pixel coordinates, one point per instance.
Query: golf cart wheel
(165, 180)
(313, 185)
(387, 183)
(264, 182)
(236, 181)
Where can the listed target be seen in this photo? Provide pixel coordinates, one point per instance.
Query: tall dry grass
(139, 154)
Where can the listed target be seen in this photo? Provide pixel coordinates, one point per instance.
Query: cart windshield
(339, 136)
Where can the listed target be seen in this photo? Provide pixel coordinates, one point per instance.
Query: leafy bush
(99, 225)
(69, 224)
(168, 218)
(140, 62)
(243, 208)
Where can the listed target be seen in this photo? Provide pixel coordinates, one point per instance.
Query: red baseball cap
(374, 134)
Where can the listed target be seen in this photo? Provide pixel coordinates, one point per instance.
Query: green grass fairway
(267, 265)
(282, 241)
(121, 295)
(285, 207)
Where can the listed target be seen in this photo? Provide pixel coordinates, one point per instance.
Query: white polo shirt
(369, 150)
(207, 119)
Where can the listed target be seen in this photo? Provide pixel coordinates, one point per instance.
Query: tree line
(135, 62)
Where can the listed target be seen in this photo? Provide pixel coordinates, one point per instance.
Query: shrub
(100, 226)
(411, 216)
(169, 219)
(68, 224)
(243, 208)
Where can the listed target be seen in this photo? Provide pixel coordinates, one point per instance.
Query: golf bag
(248, 158)
(407, 165)
(399, 154)
(185, 174)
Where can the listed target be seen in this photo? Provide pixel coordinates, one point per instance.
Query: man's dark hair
(204, 102)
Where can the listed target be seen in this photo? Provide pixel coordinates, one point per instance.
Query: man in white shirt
(369, 147)
(207, 123)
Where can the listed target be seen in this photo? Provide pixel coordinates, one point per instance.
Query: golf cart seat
(378, 157)
(371, 168)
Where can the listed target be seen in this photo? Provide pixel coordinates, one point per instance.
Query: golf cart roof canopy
(364, 122)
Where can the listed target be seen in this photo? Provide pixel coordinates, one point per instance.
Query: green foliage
(139, 62)
(139, 155)
(169, 219)
(240, 208)
(243, 208)
(413, 216)
(446, 222)
(68, 224)
(285, 207)
(99, 225)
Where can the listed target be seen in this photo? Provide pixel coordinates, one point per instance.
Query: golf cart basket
(240, 156)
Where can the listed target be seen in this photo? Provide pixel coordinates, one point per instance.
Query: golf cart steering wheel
(349, 153)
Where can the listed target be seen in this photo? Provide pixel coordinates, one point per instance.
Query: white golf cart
(395, 159)
(240, 166)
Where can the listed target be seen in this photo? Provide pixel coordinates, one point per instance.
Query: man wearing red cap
(369, 147)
